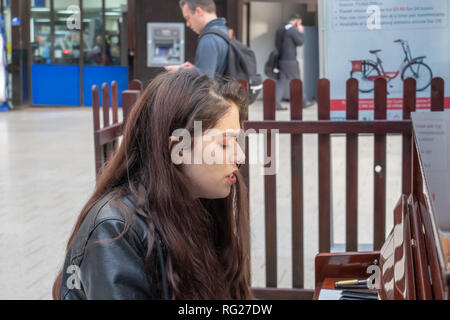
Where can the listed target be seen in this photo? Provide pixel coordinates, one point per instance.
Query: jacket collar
(288, 26)
(219, 22)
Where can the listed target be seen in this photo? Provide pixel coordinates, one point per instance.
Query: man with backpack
(287, 39)
(217, 55)
(212, 51)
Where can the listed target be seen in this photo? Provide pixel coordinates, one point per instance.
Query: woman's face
(213, 176)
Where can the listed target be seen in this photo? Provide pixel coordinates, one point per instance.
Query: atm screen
(162, 50)
(165, 44)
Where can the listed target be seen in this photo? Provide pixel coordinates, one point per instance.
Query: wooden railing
(323, 127)
(106, 137)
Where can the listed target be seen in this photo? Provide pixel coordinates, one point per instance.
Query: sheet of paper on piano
(326, 294)
(433, 138)
(432, 131)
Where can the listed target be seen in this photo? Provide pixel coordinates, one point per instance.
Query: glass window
(7, 20)
(55, 35)
(40, 32)
(66, 48)
(8, 42)
(94, 51)
(115, 32)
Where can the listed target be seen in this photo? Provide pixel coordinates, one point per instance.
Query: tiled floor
(47, 174)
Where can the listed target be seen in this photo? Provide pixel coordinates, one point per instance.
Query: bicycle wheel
(368, 70)
(420, 72)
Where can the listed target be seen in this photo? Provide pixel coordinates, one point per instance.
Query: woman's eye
(227, 142)
(224, 144)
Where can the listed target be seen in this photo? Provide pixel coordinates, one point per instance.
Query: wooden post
(96, 120)
(379, 213)
(351, 242)
(270, 196)
(409, 105)
(323, 97)
(296, 91)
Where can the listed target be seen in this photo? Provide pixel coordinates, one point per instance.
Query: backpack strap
(217, 33)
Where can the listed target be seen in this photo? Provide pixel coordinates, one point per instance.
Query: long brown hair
(207, 241)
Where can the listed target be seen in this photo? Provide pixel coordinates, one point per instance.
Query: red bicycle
(367, 71)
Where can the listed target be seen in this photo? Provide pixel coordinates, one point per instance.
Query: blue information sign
(15, 22)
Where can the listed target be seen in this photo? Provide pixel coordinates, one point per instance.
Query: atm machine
(165, 44)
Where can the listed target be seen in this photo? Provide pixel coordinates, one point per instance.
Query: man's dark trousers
(289, 69)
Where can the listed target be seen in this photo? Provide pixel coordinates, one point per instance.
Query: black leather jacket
(113, 269)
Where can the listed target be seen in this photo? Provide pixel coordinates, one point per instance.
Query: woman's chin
(219, 194)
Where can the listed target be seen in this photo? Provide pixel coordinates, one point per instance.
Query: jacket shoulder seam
(114, 219)
(92, 231)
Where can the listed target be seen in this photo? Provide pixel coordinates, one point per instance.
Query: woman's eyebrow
(227, 134)
(231, 133)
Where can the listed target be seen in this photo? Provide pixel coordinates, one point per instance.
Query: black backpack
(271, 67)
(241, 64)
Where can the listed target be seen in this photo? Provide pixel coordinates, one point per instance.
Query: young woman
(159, 229)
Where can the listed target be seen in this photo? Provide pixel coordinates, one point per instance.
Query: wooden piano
(414, 261)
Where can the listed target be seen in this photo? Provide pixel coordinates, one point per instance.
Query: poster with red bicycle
(390, 39)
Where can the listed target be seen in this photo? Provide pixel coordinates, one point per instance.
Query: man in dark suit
(288, 37)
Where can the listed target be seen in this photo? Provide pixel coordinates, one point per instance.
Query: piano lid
(432, 135)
